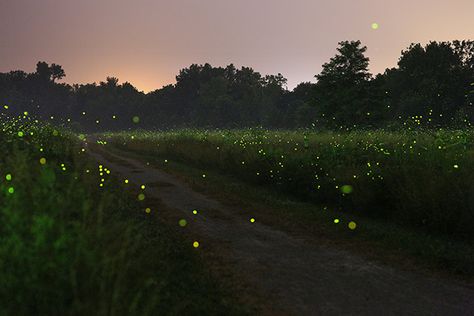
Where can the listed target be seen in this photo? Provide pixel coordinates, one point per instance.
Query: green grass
(420, 179)
(388, 243)
(411, 194)
(71, 247)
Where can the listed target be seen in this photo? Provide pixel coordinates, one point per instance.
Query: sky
(147, 42)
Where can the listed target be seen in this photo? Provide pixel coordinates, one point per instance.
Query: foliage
(71, 247)
(432, 86)
(420, 178)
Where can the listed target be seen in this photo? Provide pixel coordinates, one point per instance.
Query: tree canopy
(432, 85)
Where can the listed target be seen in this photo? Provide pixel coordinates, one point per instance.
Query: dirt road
(297, 277)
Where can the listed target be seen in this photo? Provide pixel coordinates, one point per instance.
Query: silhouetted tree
(432, 81)
(342, 86)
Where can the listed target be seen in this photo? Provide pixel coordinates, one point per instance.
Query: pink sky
(146, 42)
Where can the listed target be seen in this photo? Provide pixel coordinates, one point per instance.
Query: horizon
(147, 43)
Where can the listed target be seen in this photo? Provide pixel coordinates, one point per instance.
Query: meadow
(72, 243)
(418, 179)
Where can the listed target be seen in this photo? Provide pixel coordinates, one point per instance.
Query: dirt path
(297, 277)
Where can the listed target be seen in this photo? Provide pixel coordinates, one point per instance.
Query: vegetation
(419, 179)
(71, 243)
(432, 86)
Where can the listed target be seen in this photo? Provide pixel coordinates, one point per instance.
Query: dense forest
(432, 86)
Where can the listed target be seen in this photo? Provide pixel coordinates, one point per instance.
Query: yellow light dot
(182, 222)
(252, 220)
(336, 221)
(43, 161)
(148, 210)
(203, 175)
(141, 197)
(352, 225)
(136, 119)
(126, 180)
(375, 26)
(195, 212)
(456, 167)
(142, 187)
(195, 244)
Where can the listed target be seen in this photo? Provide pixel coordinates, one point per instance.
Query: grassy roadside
(378, 240)
(72, 243)
(418, 179)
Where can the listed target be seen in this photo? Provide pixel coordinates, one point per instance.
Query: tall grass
(71, 247)
(418, 178)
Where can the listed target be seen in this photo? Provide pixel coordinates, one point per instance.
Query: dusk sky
(147, 42)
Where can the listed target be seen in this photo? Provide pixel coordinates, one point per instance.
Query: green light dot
(136, 119)
(11, 190)
(141, 197)
(352, 225)
(8, 177)
(347, 189)
(20, 134)
(182, 222)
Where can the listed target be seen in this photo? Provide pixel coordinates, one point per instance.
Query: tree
(49, 73)
(432, 81)
(349, 66)
(57, 72)
(342, 88)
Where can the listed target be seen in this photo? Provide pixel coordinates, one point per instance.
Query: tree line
(431, 86)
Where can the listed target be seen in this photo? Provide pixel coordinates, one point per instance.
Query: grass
(422, 179)
(410, 193)
(72, 243)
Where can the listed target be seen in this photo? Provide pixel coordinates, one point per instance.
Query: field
(420, 179)
(411, 190)
(71, 243)
(76, 238)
